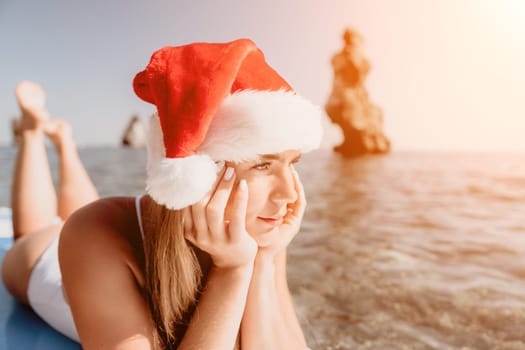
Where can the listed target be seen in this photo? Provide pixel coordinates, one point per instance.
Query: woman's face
(270, 189)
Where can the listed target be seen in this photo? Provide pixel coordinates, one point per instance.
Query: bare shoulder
(104, 232)
(97, 263)
(104, 224)
(106, 212)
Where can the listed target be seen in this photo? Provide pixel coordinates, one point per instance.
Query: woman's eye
(262, 166)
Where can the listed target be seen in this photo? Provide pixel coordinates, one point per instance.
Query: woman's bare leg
(33, 198)
(75, 188)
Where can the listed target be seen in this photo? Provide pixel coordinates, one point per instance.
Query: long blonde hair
(173, 275)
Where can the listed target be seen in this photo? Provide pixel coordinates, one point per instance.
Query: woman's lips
(273, 222)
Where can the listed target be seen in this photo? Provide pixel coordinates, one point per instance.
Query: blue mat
(21, 328)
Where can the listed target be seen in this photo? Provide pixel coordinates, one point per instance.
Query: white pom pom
(179, 182)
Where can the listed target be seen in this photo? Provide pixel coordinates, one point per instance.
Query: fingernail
(228, 174)
(219, 165)
(242, 185)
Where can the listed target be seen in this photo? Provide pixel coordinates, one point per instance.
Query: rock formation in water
(135, 134)
(349, 105)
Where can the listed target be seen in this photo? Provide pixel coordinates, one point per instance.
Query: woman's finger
(198, 217)
(198, 210)
(218, 202)
(300, 191)
(237, 223)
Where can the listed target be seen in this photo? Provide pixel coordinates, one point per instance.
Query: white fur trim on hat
(176, 182)
(250, 123)
(247, 124)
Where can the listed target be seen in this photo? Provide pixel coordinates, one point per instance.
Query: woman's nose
(284, 188)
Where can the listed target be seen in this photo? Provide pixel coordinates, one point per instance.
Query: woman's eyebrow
(270, 156)
(276, 157)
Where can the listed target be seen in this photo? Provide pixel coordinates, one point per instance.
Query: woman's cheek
(251, 210)
(256, 199)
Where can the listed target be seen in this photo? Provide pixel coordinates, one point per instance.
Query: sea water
(405, 251)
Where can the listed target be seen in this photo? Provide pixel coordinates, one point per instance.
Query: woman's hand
(291, 222)
(227, 242)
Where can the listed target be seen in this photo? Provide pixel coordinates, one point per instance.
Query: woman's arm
(285, 297)
(216, 321)
(269, 320)
(217, 318)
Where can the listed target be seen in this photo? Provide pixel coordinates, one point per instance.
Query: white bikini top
(139, 215)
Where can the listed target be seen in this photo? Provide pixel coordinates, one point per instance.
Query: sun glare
(513, 8)
(512, 11)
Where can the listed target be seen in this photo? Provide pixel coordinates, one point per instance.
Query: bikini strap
(139, 215)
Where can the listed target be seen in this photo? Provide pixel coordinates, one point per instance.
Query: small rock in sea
(135, 134)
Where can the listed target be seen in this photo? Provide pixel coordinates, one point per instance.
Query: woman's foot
(60, 133)
(32, 101)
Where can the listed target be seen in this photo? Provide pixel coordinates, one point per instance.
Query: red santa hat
(216, 101)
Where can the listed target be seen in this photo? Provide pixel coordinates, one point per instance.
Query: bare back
(102, 261)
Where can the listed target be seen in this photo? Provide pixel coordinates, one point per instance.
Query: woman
(199, 262)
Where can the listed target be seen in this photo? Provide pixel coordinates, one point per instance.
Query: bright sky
(448, 74)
